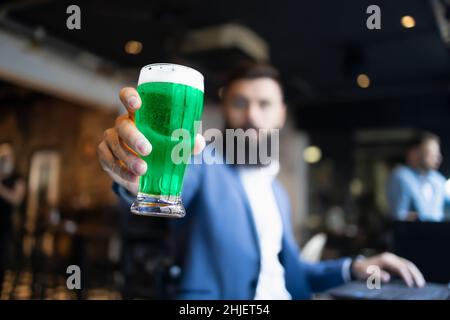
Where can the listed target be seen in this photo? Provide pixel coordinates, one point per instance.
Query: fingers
(199, 144)
(404, 268)
(417, 275)
(385, 276)
(130, 99)
(122, 153)
(404, 273)
(112, 165)
(131, 136)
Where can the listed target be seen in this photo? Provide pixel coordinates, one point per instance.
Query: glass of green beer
(172, 100)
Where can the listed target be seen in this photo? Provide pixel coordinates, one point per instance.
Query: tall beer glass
(172, 99)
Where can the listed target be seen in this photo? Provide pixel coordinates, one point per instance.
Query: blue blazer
(216, 244)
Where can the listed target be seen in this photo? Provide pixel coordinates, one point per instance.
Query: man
(12, 191)
(236, 241)
(416, 191)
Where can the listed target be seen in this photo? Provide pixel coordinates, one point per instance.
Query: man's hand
(389, 263)
(121, 146)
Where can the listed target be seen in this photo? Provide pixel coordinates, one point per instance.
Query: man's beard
(256, 151)
(426, 167)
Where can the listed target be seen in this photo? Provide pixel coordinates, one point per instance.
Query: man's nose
(252, 114)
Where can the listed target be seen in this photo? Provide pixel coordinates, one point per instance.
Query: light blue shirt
(412, 191)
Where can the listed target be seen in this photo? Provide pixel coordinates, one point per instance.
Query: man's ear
(220, 93)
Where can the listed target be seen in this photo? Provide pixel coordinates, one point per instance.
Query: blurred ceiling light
(312, 154)
(363, 80)
(133, 47)
(408, 22)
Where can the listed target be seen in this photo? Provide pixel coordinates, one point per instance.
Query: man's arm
(123, 194)
(446, 192)
(399, 198)
(15, 195)
(447, 198)
(320, 276)
(327, 274)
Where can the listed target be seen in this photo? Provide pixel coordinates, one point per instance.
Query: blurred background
(355, 96)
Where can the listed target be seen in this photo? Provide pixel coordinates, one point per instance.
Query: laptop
(394, 290)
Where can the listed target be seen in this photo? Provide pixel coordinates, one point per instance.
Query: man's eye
(239, 103)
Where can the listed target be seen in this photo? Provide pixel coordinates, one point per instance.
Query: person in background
(416, 191)
(237, 240)
(12, 192)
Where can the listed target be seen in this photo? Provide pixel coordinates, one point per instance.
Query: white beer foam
(169, 72)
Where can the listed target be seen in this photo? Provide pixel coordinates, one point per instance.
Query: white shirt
(257, 183)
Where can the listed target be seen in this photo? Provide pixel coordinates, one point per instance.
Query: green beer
(172, 99)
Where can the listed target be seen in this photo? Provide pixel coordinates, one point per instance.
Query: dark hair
(420, 137)
(253, 70)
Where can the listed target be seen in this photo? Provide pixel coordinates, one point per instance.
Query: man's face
(430, 155)
(254, 103)
(6, 160)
